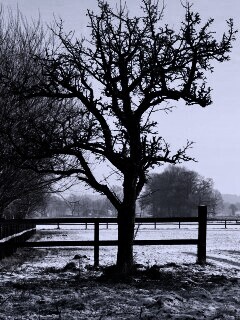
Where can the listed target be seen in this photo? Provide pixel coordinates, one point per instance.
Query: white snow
(223, 245)
(54, 283)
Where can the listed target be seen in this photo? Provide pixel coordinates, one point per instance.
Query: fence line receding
(29, 227)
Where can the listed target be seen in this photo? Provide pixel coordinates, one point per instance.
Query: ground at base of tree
(78, 291)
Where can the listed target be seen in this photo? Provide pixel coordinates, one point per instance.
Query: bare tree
(205, 194)
(22, 191)
(114, 81)
(233, 209)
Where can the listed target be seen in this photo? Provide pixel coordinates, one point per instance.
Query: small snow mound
(148, 301)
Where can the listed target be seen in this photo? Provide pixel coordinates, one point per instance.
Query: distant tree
(233, 209)
(100, 95)
(56, 206)
(216, 203)
(86, 205)
(80, 205)
(178, 191)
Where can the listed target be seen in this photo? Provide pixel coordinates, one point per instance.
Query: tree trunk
(126, 223)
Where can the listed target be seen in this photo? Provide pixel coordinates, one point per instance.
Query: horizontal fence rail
(12, 234)
(12, 227)
(224, 221)
(180, 221)
(73, 220)
(201, 220)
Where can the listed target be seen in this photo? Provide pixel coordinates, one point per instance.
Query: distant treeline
(176, 191)
(79, 206)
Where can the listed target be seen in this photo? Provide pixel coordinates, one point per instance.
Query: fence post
(202, 234)
(96, 244)
(225, 224)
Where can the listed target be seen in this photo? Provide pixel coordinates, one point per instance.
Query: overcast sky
(215, 129)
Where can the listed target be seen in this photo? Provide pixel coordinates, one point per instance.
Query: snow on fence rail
(13, 233)
(96, 243)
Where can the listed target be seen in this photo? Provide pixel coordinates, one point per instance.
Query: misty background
(215, 129)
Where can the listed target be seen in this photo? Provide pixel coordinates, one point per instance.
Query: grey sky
(216, 129)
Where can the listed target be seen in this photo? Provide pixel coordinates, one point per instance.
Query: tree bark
(126, 223)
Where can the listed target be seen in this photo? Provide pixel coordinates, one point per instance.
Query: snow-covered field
(51, 284)
(223, 245)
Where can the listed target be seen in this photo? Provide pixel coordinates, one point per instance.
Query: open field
(51, 284)
(223, 245)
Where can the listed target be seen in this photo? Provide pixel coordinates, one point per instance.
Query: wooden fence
(13, 233)
(200, 242)
(224, 221)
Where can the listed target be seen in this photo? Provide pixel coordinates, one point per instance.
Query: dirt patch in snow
(74, 290)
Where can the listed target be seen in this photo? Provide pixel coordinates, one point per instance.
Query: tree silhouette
(233, 209)
(101, 94)
(178, 191)
(22, 191)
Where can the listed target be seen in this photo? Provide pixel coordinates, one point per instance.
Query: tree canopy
(178, 191)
